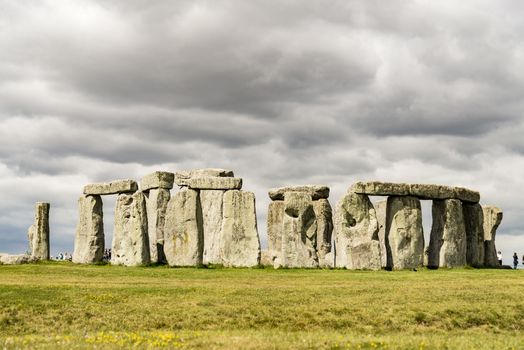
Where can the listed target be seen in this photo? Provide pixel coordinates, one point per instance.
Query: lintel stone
(113, 187)
(316, 191)
(158, 179)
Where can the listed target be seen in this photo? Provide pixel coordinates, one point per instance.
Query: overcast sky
(281, 92)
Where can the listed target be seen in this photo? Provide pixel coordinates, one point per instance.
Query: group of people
(107, 255)
(515, 259)
(64, 256)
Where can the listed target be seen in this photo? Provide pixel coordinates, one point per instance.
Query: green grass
(64, 306)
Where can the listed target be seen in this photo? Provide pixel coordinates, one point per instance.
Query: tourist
(499, 257)
(515, 260)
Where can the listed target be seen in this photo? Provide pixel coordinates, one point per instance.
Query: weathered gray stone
(324, 218)
(275, 219)
(329, 260)
(266, 258)
(404, 233)
(156, 204)
(474, 221)
(16, 259)
(314, 191)
(240, 244)
(215, 183)
(89, 238)
(447, 245)
(492, 219)
(158, 179)
(38, 233)
(183, 231)
(380, 210)
(182, 177)
(299, 231)
(113, 187)
(130, 239)
(421, 191)
(356, 233)
(212, 211)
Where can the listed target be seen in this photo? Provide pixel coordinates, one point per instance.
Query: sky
(281, 92)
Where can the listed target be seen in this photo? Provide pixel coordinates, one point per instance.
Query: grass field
(63, 306)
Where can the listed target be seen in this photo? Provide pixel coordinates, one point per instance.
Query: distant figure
(499, 256)
(515, 260)
(522, 259)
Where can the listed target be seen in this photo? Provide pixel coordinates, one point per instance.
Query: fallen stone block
(158, 179)
(314, 191)
(16, 259)
(113, 187)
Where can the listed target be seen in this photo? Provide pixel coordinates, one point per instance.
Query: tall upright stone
(38, 233)
(130, 238)
(380, 210)
(356, 233)
(492, 219)
(212, 202)
(404, 233)
(275, 218)
(89, 237)
(156, 204)
(183, 231)
(240, 244)
(474, 221)
(447, 245)
(299, 231)
(324, 218)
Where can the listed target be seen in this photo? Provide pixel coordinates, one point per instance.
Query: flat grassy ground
(63, 306)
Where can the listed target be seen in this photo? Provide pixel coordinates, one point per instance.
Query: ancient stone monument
(38, 233)
(299, 226)
(89, 238)
(492, 220)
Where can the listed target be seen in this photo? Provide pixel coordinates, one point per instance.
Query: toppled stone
(404, 233)
(324, 218)
(474, 223)
(182, 177)
(380, 210)
(240, 244)
(299, 231)
(447, 245)
(183, 232)
(356, 233)
(130, 239)
(314, 191)
(215, 183)
(16, 259)
(113, 187)
(275, 218)
(421, 191)
(158, 179)
(38, 233)
(89, 237)
(212, 211)
(156, 207)
(492, 219)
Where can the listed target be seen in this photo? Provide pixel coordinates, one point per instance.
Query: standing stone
(275, 219)
(89, 238)
(240, 244)
(324, 217)
(474, 221)
(380, 210)
(156, 204)
(183, 232)
(492, 220)
(299, 231)
(404, 233)
(447, 245)
(212, 203)
(130, 239)
(356, 237)
(38, 233)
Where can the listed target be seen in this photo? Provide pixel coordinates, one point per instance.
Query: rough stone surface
(130, 239)
(38, 233)
(240, 244)
(89, 238)
(182, 177)
(421, 191)
(329, 260)
(156, 204)
(212, 211)
(474, 221)
(447, 245)
(492, 219)
(158, 179)
(16, 259)
(404, 233)
(380, 210)
(183, 231)
(299, 232)
(275, 219)
(266, 258)
(315, 191)
(356, 233)
(113, 187)
(324, 218)
(215, 183)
